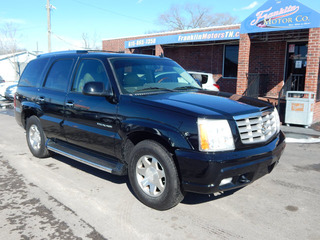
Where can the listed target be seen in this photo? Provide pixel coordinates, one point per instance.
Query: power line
(110, 11)
(65, 41)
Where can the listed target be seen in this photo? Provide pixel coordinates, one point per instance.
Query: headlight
(215, 135)
(277, 119)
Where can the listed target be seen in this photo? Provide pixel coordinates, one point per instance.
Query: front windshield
(145, 75)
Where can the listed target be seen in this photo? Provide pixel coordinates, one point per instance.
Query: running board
(89, 158)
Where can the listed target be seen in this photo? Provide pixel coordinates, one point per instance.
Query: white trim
(10, 55)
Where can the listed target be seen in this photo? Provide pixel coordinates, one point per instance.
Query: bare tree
(9, 45)
(189, 16)
(9, 39)
(85, 39)
(90, 42)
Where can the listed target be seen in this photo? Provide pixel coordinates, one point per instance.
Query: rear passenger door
(52, 96)
(90, 120)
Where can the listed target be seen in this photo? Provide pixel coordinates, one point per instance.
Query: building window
(231, 53)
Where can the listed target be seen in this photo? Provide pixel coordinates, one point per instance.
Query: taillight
(14, 100)
(217, 86)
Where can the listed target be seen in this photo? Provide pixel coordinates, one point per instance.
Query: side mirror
(96, 89)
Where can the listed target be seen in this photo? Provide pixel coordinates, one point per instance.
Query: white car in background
(206, 80)
(4, 86)
(10, 92)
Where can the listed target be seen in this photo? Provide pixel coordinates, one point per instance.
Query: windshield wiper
(153, 88)
(186, 88)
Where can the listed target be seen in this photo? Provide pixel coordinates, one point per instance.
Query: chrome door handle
(69, 103)
(41, 99)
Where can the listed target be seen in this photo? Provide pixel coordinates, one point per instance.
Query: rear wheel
(153, 176)
(36, 138)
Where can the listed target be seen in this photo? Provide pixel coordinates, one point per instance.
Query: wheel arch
(135, 132)
(168, 137)
(28, 110)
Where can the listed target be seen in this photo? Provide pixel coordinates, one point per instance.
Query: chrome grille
(256, 128)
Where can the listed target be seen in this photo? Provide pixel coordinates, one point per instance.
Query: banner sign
(279, 15)
(185, 38)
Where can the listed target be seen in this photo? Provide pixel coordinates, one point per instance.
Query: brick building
(276, 49)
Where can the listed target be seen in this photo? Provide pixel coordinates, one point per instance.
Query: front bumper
(203, 172)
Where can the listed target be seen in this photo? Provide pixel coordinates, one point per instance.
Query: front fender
(140, 129)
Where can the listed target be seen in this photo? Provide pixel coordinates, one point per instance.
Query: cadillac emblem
(264, 129)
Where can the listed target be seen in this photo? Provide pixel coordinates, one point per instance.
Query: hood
(204, 103)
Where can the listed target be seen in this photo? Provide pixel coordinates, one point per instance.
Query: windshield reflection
(145, 75)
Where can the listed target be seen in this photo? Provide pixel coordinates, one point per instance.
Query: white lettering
(267, 15)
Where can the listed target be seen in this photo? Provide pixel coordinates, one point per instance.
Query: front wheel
(36, 138)
(153, 176)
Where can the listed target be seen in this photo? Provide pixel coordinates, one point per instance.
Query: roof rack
(77, 52)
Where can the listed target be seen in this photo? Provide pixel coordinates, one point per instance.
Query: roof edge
(175, 32)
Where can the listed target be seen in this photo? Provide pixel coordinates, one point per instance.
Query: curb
(302, 140)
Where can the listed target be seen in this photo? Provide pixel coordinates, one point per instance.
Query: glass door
(297, 64)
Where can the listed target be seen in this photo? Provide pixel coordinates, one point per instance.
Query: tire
(153, 176)
(36, 138)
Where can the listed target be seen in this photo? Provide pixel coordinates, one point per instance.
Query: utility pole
(49, 24)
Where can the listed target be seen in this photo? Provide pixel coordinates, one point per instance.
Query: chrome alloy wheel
(34, 137)
(150, 176)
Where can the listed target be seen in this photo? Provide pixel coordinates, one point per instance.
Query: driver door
(90, 120)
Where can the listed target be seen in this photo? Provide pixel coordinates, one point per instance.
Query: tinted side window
(31, 76)
(58, 76)
(89, 70)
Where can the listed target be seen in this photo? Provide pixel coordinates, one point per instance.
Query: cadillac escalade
(145, 116)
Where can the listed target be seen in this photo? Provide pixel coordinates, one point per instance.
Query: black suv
(145, 116)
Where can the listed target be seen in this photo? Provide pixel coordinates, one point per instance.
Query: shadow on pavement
(194, 198)
(91, 170)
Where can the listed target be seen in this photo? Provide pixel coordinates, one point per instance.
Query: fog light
(225, 181)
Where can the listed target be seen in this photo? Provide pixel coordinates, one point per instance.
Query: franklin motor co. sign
(277, 15)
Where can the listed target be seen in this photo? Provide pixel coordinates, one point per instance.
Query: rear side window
(31, 75)
(58, 76)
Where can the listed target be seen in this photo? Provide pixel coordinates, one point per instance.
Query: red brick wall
(269, 58)
(159, 50)
(114, 45)
(313, 67)
(243, 63)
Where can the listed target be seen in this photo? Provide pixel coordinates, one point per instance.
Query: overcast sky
(102, 19)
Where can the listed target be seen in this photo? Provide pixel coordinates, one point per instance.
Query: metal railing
(257, 85)
(295, 82)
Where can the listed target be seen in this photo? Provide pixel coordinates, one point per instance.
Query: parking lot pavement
(56, 198)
